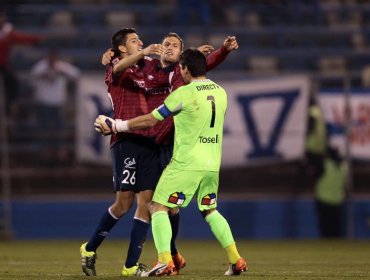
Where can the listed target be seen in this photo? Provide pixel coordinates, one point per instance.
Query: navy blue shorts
(135, 164)
(165, 155)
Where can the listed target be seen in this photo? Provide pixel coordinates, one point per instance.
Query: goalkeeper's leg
(221, 230)
(161, 229)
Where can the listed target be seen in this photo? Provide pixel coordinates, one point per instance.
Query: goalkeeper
(199, 110)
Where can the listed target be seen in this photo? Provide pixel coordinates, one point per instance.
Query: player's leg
(221, 230)
(174, 189)
(146, 171)
(174, 217)
(88, 250)
(178, 259)
(161, 229)
(207, 203)
(124, 198)
(165, 156)
(140, 226)
(120, 207)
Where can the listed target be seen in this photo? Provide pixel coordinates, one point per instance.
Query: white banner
(265, 121)
(92, 101)
(333, 104)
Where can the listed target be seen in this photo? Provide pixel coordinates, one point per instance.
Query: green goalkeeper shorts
(177, 187)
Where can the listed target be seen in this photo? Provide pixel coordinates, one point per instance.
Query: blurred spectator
(190, 11)
(9, 37)
(316, 141)
(358, 41)
(365, 76)
(330, 194)
(315, 146)
(51, 79)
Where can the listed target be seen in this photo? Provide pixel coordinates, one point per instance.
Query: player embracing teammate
(150, 81)
(199, 110)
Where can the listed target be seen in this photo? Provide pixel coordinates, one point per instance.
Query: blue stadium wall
(252, 219)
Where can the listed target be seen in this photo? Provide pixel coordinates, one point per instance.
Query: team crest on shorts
(177, 198)
(209, 199)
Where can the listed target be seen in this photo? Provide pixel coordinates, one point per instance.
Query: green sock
(220, 228)
(162, 232)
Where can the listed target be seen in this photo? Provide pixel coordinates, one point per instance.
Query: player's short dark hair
(120, 38)
(173, 34)
(195, 61)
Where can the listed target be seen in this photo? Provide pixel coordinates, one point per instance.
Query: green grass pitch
(288, 259)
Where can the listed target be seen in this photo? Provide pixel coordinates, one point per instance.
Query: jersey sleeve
(172, 104)
(108, 75)
(24, 38)
(216, 58)
(132, 73)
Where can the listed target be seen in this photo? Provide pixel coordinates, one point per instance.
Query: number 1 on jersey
(212, 99)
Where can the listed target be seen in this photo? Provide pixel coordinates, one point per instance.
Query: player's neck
(165, 64)
(198, 79)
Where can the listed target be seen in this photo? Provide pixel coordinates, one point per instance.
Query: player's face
(133, 44)
(185, 74)
(172, 50)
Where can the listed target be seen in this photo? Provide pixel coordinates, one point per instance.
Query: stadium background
(326, 41)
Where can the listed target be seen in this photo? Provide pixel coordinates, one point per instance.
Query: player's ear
(122, 48)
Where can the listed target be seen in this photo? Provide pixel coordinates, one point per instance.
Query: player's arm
(206, 49)
(131, 60)
(107, 57)
(140, 122)
(106, 125)
(219, 55)
(24, 38)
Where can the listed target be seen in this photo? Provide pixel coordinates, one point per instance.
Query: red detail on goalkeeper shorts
(177, 198)
(209, 199)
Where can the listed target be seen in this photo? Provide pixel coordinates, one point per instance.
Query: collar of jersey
(200, 81)
(168, 68)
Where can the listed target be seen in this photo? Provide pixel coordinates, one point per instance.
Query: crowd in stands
(326, 39)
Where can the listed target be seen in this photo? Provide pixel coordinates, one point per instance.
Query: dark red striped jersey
(126, 91)
(160, 82)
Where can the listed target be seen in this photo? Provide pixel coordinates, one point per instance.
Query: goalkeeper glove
(107, 126)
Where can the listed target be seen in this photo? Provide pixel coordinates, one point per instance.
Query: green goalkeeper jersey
(199, 111)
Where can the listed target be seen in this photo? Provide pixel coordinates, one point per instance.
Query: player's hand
(107, 57)
(230, 43)
(105, 125)
(205, 49)
(154, 49)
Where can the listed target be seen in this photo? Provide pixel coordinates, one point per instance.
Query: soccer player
(199, 110)
(161, 77)
(134, 156)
